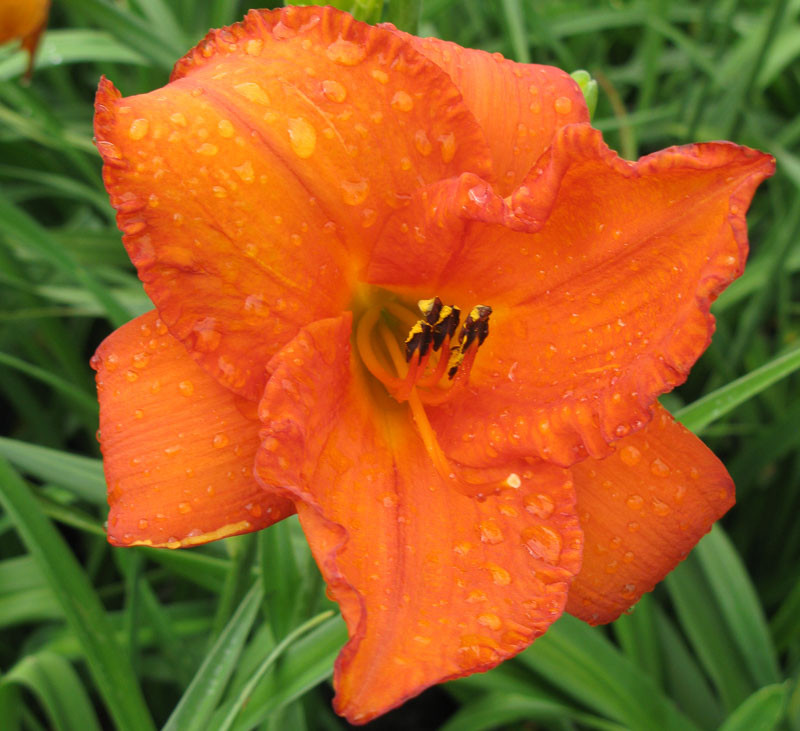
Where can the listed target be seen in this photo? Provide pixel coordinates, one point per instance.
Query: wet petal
(642, 510)
(251, 187)
(535, 101)
(25, 19)
(432, 584)
(178, 448)
(594, 314)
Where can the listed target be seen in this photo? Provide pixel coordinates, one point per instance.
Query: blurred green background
(93, 637)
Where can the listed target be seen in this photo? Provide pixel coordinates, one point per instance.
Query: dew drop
(476, 596)
(660, 507)
(184, 508)
(635, 502)
(220, 440)
(253, 47)
(245, 171)
(334, 90)
(143, 524)
(225, 127)
(630, 455)
(462, 548)
(186, 388)
(138, 414)
(540, 505)
(500, 576)
(422, 143)
(380, 76)
(633, 526)
(354, 193)
(138, 129)
(345, 52)
(492, 621)
(173, 450)
(448, 143)
(131, 376)
(543, 542)
(659, 468)
(402, 102)
(563, 105)
(628, 556)
(207, 149)
(491, 532)
(513, 481)
(252, 92)
(302, 136)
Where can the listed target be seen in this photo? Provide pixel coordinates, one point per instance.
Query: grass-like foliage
(238, 634)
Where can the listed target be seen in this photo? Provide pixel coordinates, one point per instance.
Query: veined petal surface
(432, 584)
(642, 510)
(518, 106)
(178, 448)
(600, 273)
(253, 186)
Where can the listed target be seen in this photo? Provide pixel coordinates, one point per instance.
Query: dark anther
(475, 326)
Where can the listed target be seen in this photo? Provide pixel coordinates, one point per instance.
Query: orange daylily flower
(24, 19)
(405, 290)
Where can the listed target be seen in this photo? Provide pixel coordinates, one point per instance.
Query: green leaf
(58, 688)
(737, 600)
(498, 709)
(194, 710)
(699, 618)
(82, 475)
(762, 711)
(110, 668)
(581, 662)
(16, 223)
(305, 664)
(711, 407)
(404, 14)
(234, 707)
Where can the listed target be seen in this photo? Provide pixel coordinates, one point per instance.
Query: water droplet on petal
(660, 507)
(334, 90)
(540, 505)
(543, 542)
(253, 47)
(492, 621)
(225, 127)
(635, 502)
(178, 118)
(252, 92)
(563, 105)
(402, 102)
(220, 440)
(354, 193)
(422, 143)
(207, 149)
(500, 576)
(448, 143)
(303, 137)
(186, 388)
(345, 52)
(138, 129)
(659, 468)
(245, 171)
(491, 532)
(184, 508)
(630, 455)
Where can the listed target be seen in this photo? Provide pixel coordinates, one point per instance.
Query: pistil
(405, 372)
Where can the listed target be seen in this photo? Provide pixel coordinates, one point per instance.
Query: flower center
(428, 366)
(432, 362)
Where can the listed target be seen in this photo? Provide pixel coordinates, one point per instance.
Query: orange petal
(22, 18)
(251, 187)
(642, 510)
(601, 306)
(178, 448)
(518, 106)
(432, 584)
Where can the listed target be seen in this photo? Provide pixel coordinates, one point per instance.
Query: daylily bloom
(404, 289)
(25, 19)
